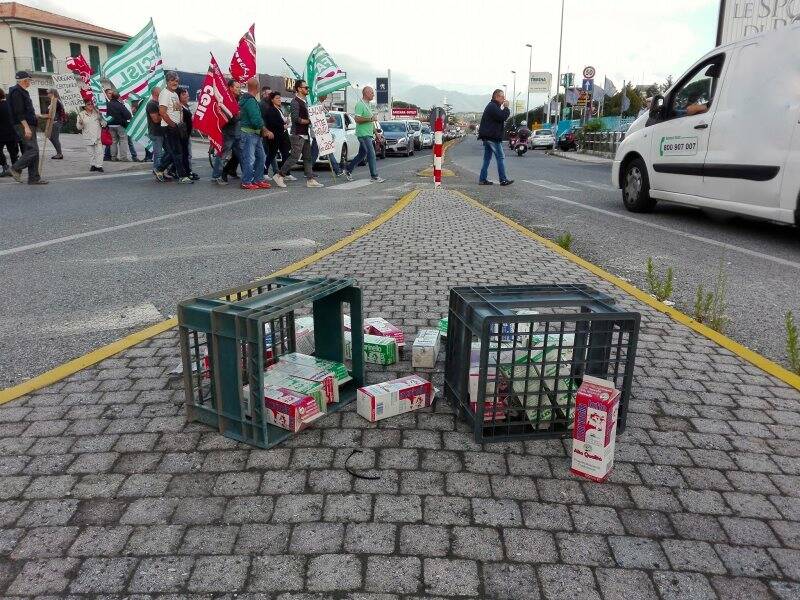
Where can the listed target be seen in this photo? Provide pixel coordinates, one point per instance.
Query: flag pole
(51, 112)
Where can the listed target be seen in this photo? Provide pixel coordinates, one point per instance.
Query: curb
(95, 356)
(565, 156)
(754, 358)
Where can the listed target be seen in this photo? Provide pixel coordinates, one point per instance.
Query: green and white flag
(324, 76)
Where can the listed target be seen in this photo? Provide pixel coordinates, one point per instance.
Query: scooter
(521, 147)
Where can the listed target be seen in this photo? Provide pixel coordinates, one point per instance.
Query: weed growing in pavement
(662, 290)
(792, 343)
(709, 307)
(565, 241)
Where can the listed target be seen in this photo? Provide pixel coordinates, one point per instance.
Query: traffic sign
(588, 86)
(588, 73)
(583, 98)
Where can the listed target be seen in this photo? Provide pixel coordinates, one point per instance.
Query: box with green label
(377, 350)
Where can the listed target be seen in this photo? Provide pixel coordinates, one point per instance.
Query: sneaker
(290, 178)
(378, 180)
(249, 186)
(348, 176)
(313, 183)
(219, 181)
(279, 181)
(194, 176)
(224, 178)
(233, 176)
(38, 182)
(185, 180)
(92, 169)
(57, 157)
(159, 176)
(100, 170)
(486, 182)
(507, 182)
(263, 185)
(17, 175)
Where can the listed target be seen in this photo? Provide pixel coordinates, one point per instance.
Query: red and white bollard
(438, 127)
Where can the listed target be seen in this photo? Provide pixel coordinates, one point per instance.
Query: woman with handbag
(59, 120)
(93, 128)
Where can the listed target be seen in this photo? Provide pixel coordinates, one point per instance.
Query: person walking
(335, 166)
(265, 104)
(171, 111)
(252, 125)
(23, 117)
(275, 123)
(154, 132)
(118, 118)
(59, 120)
(490, 132)
(365, 132)
(183, 95)
(90, 124)
(8, 137)
(229, 157)
(301, 146)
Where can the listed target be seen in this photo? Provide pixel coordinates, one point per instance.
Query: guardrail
(605, 142)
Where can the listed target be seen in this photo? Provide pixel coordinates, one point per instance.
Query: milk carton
(377, 350)
(304, 335)
(506, 330)
(338, 369)
(382, 327)
(382, 400)
(595, 429)
(288, 409)
(297, 384)
(425, 349)
(443, 327)
(322, 376)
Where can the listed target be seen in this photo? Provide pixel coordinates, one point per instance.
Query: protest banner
(215, 106)
(243, 62)
(319, 125)
(69, 91)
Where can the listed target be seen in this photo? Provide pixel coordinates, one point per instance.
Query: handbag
(105, 137)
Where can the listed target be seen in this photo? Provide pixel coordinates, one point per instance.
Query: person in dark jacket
(186, 142)
(59, 121)
(301, 144)
(23, 117)
(265, 105)
(490, 132)
(8, 137)
(275, 123)
(229, 157)
(118, 118)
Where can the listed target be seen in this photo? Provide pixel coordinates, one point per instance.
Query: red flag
(243, 63)
(215, 105)
(79, 66)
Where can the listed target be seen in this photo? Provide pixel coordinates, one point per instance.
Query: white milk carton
(595, 429)
(382, 400)
(425, 349)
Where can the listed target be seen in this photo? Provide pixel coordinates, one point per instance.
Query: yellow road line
(738, 349)
(69, 368)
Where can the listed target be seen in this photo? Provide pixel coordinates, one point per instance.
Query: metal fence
(606, 142)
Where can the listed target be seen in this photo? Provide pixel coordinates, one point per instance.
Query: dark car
(567, 141)
(399, 137)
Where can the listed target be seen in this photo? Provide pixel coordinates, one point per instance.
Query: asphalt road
(553, 196)
(85, 261)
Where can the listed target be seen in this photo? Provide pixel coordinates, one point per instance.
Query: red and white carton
(382, 327)
(391, 398)
(595, 430)
(290, 410)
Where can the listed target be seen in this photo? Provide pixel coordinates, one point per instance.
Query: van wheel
(636, 187)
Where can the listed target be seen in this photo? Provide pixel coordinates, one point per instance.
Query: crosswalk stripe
(351, 185)
(556, 187)
(594, 185)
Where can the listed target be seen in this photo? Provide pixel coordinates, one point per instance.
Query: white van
(725, 136)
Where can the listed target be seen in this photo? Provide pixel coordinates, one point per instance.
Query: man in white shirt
(171, 112)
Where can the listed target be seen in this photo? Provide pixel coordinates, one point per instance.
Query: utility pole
(558, 79)
(514, 92)
(528, 93)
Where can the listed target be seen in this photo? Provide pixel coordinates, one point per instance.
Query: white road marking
(351, 185)
(102, 176)
(691, 236)
(603, 187)
(94, 232)
(556, 187)
(112, 318)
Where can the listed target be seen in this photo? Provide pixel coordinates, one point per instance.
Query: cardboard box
(443, 326)
(304, 335)
(297, 384)
(507, 329)
(595, 429)
(338, 369)
(377, 350)
(376, 402)
(425, 349)
(381, 327)
(322, 376)
(288, 409)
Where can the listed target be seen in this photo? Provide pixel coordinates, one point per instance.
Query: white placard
(69, 90)
(540, 83)
(319, 124)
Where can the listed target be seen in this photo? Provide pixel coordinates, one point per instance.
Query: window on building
(94, 58)
(111, 49)
(74, 49)
(42, 55)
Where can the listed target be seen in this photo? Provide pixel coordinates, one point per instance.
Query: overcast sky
(467, 46)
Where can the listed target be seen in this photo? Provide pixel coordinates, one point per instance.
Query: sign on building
(405, 113)
(742, 18)
(382, 90)
(69, 90)
(540, 83)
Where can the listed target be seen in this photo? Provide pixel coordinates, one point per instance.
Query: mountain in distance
(426, 96)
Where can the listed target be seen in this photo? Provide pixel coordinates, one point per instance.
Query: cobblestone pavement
(106, 492)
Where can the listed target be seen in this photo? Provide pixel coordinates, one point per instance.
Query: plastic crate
(229, 338)
(516, 356)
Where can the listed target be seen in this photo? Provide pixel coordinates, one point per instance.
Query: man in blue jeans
(490, 131)
(365, 132)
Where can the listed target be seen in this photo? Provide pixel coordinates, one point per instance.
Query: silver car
(542, 138)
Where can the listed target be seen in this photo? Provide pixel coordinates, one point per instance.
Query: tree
(667, 84)
(614, 103)
(401, 104)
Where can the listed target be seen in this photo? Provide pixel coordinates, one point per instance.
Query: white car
(343, 129)
(427, 137)
(726, 136)
(542, 138)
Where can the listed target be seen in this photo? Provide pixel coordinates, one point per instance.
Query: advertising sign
(382, 90)
(69, 90)
(405, 113)
(540, 83)
(741, 18)
(319, 124)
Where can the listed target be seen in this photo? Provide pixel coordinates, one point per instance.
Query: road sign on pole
(588, 73)
(588, 86)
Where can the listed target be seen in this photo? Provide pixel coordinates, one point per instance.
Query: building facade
(40, 42)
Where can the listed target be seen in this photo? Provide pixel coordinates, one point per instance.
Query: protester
(59, 120)
(252, 126)
(8, 137)
(183, 95)
(490, 132)
(365, 132)
(337, 169)
(118, 118)
(23, 117)
(301, 146)
(275, 123)
(229, 156)
(265, 105)
(107, 148)
(171, 112)
(154, 132)
(90, 124)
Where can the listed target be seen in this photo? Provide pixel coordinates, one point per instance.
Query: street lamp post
(528, 93)
(558, 79)
(514, 93)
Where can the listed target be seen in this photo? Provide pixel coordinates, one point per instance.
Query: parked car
(416, 131)
(399, 137)
(343, 128)
(567, 141)
(379, 142)
(542, 138)
(703, 144)
(427, 137)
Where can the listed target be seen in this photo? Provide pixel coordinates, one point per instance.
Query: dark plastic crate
(228, 339)
(514, 376)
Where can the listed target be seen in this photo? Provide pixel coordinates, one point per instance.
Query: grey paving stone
(101, 541)
(334, 573)
(103, 575)
(685, 555)
(317, 538)
(41, 513)
(149, 511)
(584, 549)
(42, 542)
(637, 553)
(751, 505)
(788, 532)
(477, 543)
(47, 576)
(163, 574)
(788, 560)
(283, 482)
(209, 539)
(447, 510)
(424, 540)
(747, 561)
(330, 481)
(448, 577)
(398, 509)
(496, 513)
(370, 538)
(739, 588)
(529, 545)
(198, 511)
(513, 487)
(263, 539)
(560, 491)
(785, 590)
(338, 507)
(624, 584)
(646, 523)
(99, 512)
(237, 484)
(219, 574)
(748, 532)
(596, 519)
(698, 527)
(393, 574)
(682, 586)
(551, 517)
(422, 482)
(139, 485)
(703, 502)
(248, 509)
(509, 582)
(155, 540)
(561, 582)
